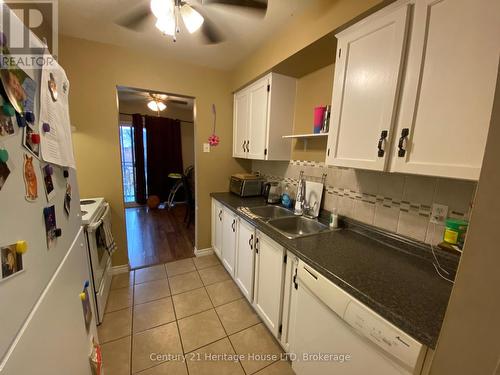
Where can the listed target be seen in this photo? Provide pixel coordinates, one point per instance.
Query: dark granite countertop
(391, 277)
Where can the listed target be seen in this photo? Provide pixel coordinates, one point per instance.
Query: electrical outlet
(206, 147)
(439, 213)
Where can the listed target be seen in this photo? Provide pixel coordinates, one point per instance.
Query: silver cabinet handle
(248, 146)
(250, 242)
(233, 225)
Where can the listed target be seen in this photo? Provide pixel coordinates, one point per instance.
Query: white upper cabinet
(263, 112)
(257, 124)
(448, 88)
(414, 86)
(241, 119)
(369, 63)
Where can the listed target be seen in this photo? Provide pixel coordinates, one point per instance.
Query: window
(128, 160)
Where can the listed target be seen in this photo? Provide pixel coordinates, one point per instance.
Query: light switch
(206, 147)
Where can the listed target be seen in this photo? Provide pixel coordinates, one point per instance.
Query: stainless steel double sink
(288, 224)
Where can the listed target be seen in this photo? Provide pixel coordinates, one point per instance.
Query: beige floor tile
(116, 357)
(119, 299)
(180, 266)
(255, 340)
(191, 302)
(166, 368)
(206, 261)
(213, 275)
(163, 340)
(144, 275)
(277, 368)
(216, 358)
(200, 329)
(223, 292)
(153, 314)
(236, 316)
(122, 280)
(151, 291)
(115, 325)
(186, 281)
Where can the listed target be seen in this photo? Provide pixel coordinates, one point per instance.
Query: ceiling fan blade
(136, 19)
(211, 32)
(253, 4)
(175, 101)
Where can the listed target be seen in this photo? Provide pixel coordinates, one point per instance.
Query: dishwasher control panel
(382, 333)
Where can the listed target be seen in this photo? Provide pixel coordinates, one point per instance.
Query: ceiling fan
(169, 13)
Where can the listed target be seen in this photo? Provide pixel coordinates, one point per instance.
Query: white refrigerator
(45, 325)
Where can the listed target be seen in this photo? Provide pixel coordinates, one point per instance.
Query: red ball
(153, 201)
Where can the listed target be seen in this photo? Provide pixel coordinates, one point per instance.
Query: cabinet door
(289, 285)
(244, 271)
(448, 89)
(269, 281)
(217, 227)
(365, 90)
(257, 127)
(228, 240)
(240, 123)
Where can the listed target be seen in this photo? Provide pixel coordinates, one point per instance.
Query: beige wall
(316, 21)
(94, 70)
(313, 90)
(174, 112)
(469, 342)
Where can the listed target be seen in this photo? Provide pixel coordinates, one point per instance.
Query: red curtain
(140, 171)
(164, 153)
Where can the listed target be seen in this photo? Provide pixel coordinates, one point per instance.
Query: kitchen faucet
(301, 195)
(302, 207)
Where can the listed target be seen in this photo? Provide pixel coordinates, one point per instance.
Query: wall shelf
(305, 137)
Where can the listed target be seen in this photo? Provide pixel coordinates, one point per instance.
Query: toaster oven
(246, 185)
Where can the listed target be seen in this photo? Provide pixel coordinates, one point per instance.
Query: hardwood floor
(157, 236)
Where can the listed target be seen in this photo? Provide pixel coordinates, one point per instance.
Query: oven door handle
(97, 224)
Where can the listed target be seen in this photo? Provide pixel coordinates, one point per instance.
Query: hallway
(157, 236)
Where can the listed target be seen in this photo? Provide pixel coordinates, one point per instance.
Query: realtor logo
(28, 32)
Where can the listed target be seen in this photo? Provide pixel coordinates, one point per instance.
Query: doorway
(156, 133)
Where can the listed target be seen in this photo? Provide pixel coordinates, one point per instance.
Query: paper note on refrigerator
(55, 128)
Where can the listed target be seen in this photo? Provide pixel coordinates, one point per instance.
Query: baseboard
(115, 270)
(203, 252)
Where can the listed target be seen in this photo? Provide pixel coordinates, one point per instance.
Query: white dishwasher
(332, 333)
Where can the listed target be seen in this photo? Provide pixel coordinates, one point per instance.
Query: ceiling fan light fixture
(161, 7)
(166, 24)
(192, 19)
(156, 106)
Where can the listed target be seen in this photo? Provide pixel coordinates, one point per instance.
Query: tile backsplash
(395, 202)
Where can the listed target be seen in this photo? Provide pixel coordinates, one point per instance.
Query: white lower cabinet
(289, 284)
(229, 235)
(245, 258)
(269, 275)
(217, 227)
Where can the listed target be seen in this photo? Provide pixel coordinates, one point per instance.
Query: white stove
(94, 212)
(91, 209)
